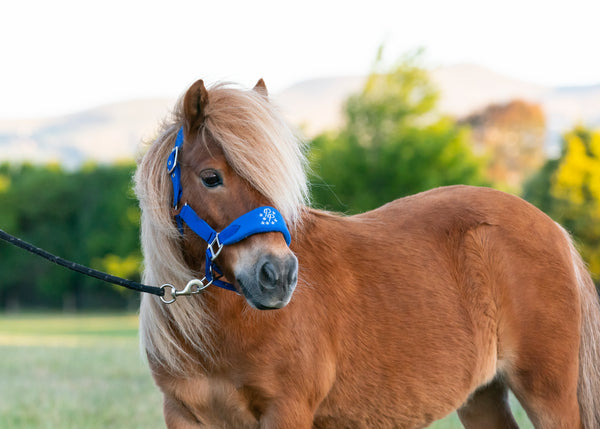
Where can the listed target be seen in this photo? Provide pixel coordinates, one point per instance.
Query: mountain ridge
(114, 131)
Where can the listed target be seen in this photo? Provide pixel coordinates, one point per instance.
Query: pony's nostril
(292, 277)
(268, 275)
(292, 270)
(276, 273)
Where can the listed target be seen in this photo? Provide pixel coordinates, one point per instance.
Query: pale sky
(60, 56)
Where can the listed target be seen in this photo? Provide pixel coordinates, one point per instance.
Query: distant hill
(315, 105)
(103, 134)
(113, 132)
(466, 88)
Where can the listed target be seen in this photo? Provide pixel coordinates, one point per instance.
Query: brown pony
(437, 302)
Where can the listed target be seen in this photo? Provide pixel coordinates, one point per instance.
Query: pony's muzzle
(274, 273)
(271, 282)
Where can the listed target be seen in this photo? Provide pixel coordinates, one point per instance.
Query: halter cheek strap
(257, 221)
(174, 170)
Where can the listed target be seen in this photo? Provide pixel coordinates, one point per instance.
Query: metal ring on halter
(173, 294)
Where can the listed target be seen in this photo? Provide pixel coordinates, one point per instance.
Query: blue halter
(259, 220)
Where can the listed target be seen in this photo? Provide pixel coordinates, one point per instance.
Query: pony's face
(261, 267)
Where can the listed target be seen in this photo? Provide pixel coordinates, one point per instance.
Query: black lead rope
(81, 268)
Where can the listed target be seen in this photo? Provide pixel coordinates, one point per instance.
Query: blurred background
(393, 98)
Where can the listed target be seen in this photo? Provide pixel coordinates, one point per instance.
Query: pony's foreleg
(287, 414)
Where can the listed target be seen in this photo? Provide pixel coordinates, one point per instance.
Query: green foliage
(393, 144)
(568, 190)
(87, 216)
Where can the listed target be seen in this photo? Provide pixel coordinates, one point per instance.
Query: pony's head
(238, 154)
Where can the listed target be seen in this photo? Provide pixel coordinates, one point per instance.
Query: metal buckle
(194, 286)
(210, 248)
(176, 149)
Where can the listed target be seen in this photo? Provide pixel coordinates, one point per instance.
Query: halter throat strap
(257, 221)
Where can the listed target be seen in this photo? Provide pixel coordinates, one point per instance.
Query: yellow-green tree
(568, 189)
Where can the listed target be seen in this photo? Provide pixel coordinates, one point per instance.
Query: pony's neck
(324, 239)
(316, 241)
(318, 225)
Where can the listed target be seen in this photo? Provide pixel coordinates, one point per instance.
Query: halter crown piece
(259, 220)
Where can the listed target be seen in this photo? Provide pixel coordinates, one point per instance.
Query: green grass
(75, 372)
(86, 371)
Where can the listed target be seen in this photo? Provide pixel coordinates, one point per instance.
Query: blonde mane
(263, 150)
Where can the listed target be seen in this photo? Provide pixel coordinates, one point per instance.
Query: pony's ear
(261, 88)
(194, 104)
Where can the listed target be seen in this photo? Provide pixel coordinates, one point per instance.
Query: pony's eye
(211, 178)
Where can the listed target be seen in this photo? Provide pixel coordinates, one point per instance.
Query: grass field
(86, 371)
(75, 372)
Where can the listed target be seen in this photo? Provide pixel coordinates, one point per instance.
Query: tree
(393, 144)
(568, 190)
(512, 137)
(89, 216)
